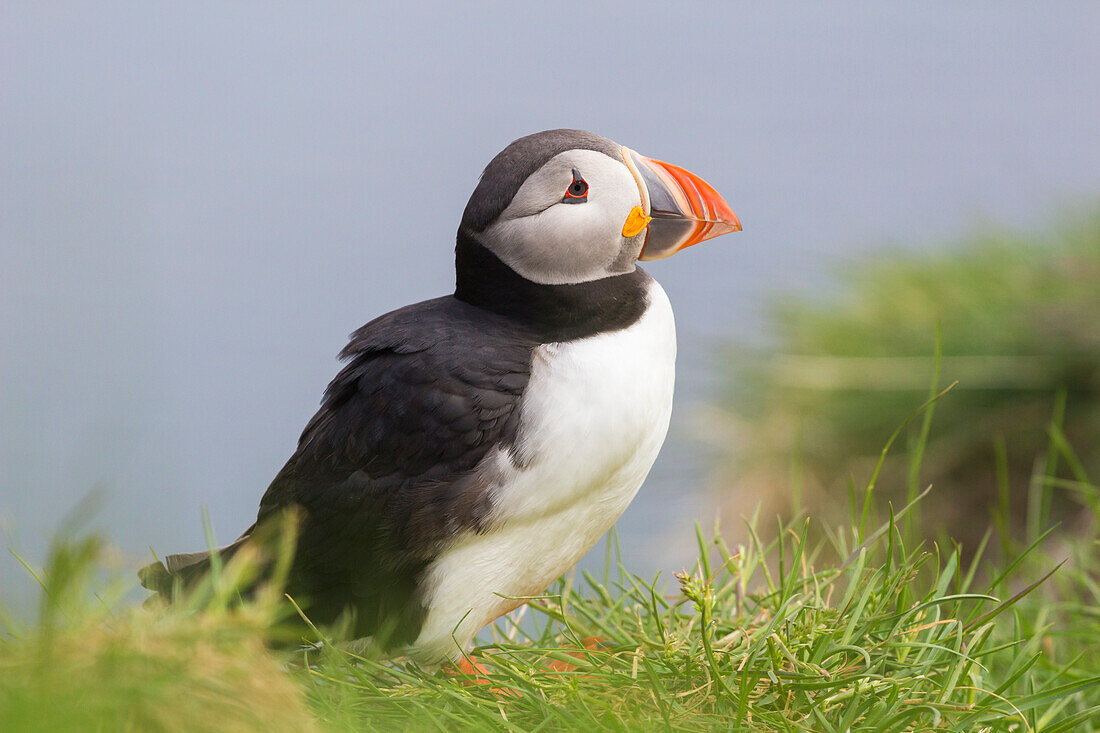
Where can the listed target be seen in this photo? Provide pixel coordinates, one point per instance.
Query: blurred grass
(92, 663)
(1019, 323)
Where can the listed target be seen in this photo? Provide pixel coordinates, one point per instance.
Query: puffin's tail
(269, 552)
(181, 572)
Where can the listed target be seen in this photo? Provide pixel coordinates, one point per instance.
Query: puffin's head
(568, 206)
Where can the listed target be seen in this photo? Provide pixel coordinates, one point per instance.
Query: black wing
(388, 470)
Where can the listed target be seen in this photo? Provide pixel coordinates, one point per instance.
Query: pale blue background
(198, 201)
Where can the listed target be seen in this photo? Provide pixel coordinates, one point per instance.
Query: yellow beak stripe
(636, 221)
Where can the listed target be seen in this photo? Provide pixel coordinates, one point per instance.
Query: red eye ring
(577, 192)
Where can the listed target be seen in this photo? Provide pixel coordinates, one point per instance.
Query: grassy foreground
(862, 630)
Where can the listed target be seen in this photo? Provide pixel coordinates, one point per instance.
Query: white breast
(594, 416)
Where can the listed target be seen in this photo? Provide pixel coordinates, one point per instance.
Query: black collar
(551, 312)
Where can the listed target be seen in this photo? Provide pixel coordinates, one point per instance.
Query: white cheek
(591, 222)
(558, 242)
(565, 243)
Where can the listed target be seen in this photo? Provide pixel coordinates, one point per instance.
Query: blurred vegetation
(94, 662)
(1019, 316)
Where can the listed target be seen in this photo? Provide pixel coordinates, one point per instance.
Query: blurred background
(199, 202)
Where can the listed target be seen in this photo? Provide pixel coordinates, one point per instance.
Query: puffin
(475, 446)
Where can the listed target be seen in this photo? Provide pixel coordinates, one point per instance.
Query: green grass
(857, 631)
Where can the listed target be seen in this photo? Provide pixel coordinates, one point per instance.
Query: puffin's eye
(577, 193)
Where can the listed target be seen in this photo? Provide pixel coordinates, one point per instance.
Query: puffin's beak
(684, 209)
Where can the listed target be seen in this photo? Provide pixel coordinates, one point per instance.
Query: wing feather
(392, 467)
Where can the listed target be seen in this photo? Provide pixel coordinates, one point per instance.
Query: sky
(199, 201)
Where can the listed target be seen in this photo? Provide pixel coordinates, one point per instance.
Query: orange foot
(470, 667)
(475, 673)
(591, 643)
